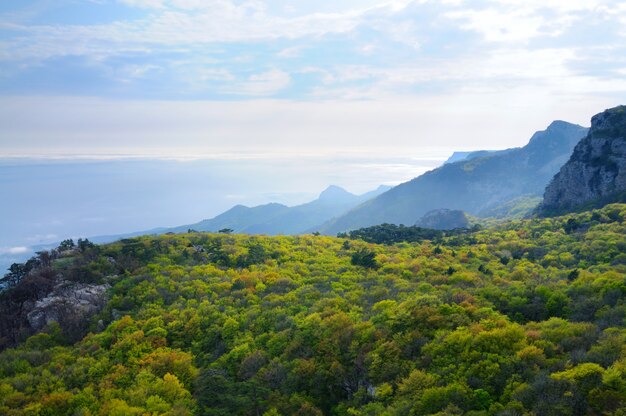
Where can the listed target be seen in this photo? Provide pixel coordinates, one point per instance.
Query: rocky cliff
(596, 172)
(61, 288)
(68, 301)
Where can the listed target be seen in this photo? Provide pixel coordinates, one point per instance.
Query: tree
(84, 245)
(66, 245)
(364, 257)
(16, 273)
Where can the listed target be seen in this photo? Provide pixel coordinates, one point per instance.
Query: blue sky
(166, 76)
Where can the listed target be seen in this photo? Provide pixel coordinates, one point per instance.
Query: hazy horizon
(54, 198)
(180, 109)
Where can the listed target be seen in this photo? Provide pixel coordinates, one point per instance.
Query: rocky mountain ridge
(477, 185)
(595, 174)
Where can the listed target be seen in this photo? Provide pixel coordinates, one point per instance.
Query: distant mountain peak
(560, 124)
(465, 156)
(241, 207)
(482, 183)
(334, 192)
(557, 132)
(457, 157)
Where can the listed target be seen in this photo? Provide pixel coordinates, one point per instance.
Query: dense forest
(391, 233)
(523, 318)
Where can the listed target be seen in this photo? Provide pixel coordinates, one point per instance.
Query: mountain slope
(443, 219)
(474, 186)
(465, 156)
(526, 318)
(596, 172)
(276, 219)
(237, 218)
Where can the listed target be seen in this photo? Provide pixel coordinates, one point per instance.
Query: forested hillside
(525, 318)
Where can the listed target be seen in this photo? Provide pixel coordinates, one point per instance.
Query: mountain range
(274, 219)
(483, 183)
(270, 219)
(479, 185)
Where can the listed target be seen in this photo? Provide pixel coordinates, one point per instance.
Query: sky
(123, 115)
(192, 78)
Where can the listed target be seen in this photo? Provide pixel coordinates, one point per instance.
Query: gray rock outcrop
(67, 302)
(596, 172)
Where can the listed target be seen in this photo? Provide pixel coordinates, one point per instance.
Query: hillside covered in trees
(524, 318)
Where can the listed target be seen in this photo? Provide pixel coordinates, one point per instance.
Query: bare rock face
(69, 303)
(596, 172)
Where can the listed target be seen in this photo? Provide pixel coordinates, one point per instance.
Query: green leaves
(365, 258)
(224, 324)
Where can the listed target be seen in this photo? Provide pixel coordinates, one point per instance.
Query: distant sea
(46, 200)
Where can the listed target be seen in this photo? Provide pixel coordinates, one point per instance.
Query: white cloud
(14, 250)
(211, 48)
(263, 84)
(192, 22)
(498, 26)
(215, 74)
(490, 70)
(524, 20)
(557, 5)
(42, 238)
(148, 4)
(291, 52)
(189, 22)
(498, 118)
(129, 73)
